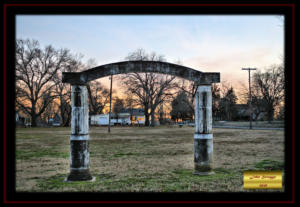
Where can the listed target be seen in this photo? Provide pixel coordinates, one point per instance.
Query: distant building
(137, 115)
(99, 119)
(19, 119)
(50, 121)
(243, 112)
(22, 120)
(103, 119)
(127, 117)
(56, 120)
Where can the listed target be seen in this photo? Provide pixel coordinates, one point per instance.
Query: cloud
(230, 64)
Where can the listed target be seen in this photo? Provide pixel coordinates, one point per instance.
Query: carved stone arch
(79, 139)
(83, 77)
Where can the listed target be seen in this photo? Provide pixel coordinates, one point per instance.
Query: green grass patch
(57, 183)
(31, 154)
(219, 173)
(126, 154)
(185, 180)
(30, 136)
(269, 165)
(177, 181)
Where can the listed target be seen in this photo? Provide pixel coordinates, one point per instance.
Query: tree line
(40, 92)
(268, 97)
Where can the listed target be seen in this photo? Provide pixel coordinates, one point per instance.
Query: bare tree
(149, 89)
(161, 113)
(118, 107)
(190, 89)
(66, 108)
(98, 97)
(130, 103)
(259, 106)
(49, 111)
(35, 71)
(269, 87)
(63, 90)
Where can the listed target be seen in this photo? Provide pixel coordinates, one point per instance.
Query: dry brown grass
(142, 159)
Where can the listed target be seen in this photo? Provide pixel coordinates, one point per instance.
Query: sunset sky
(209, 43)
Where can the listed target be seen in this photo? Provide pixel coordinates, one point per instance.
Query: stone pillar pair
(79, 139)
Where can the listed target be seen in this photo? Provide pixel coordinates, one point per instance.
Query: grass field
(144, 159)
(262, 124)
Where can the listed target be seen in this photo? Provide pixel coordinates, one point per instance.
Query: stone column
(79, 139)
(203, 137)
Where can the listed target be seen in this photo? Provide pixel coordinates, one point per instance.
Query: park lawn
(257, 124)
(144, 159)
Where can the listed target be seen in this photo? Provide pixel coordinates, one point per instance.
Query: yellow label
(262, 179)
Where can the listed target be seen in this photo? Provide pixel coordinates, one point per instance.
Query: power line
(250, 96)
(109, 115)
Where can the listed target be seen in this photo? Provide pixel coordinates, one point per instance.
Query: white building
(122, 119)
(103, 119)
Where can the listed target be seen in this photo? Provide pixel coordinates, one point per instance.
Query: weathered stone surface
(203, 137)
(203, 110)
(203, 155)
(80, 110)
(79, 139)
(140, 66)
(79, 175)
(79, 153)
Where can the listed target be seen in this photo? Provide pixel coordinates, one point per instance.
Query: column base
(203, 154)
(79, 175)
(92, 180)
(203, 169)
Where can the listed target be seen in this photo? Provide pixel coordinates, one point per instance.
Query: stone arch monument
(79, 139)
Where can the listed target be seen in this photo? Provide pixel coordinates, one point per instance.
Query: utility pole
(250, 96)
(109, 115)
